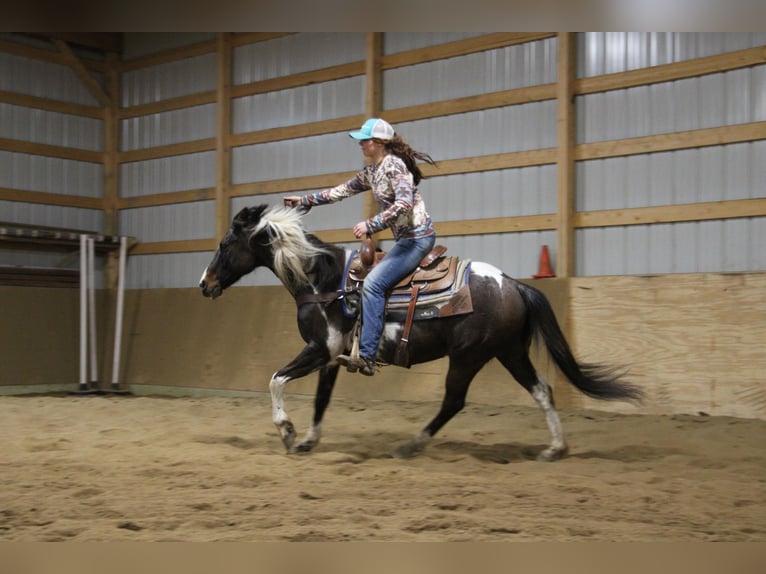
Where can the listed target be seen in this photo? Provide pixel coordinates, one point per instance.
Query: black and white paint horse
(507, 315)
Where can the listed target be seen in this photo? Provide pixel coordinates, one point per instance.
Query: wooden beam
(20, 146)
(706, 137)
(461, 48)
(184, 246)
(100, 41)
(565, 162)
(223, 130)
(46, 198)
(170, 104)
(82, 72)
(670, 72)
(49, 105)
(705, 211)
(373, 104)
(190, 51)
(168, 198)
(170, 150)
(46, 55)
(479, 102)
(111, 155)
(245, 38)
(298, 80)
(297, 131)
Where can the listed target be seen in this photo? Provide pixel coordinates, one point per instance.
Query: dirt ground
(111, 468)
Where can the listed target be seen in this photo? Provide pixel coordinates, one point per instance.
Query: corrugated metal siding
(295, 54)
(708, 101)
(168, 174)
(170, 222)
(611, 52)
(507, 68)
(51, 215)
(169, 80)
(176, 126)
(44, 80)
(706, 246)
(314, 155)
(670, 178)
(324, 101)
(51, 128)
(51, 175)
(167, 270)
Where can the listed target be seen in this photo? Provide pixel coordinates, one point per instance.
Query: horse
(507, 315)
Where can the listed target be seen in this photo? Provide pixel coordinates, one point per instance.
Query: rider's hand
(360, 229)
(292, 201)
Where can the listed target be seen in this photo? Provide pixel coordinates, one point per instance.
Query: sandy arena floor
(111, 468)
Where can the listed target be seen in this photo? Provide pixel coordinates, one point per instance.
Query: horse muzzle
(211, 289)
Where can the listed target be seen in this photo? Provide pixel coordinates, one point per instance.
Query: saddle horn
(367, 251)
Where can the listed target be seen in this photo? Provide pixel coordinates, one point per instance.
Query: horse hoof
(408, 450)
(551, 454)
(288, 434)
(303, 447)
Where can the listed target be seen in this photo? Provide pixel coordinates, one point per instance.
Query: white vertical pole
(83, 314)
(118, 318)
(92, 310)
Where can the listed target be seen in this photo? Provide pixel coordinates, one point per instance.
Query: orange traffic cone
(544, 270)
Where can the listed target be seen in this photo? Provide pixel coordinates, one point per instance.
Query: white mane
(291, 248)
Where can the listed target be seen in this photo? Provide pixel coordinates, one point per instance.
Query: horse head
(238, 253)
(262, 236)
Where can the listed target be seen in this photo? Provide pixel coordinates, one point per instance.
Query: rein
(324, 298)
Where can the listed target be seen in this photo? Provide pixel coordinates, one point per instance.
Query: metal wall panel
(138, 44)
(51, 175)
(166, 270)
(709, 101)
(499, 130)
(169, 80)
(43, 80)
(611, 52)
(176, 222)
(51, 216)
(323, 101)
(168, 174)
(728, 246)
(507, 68)
(51, 128)
(328, 153)
(295, 54)
(177, 126)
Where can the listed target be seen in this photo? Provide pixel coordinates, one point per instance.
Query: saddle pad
(440, 298)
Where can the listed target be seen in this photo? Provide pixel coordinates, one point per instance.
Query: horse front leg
(311, 358)
(327, 377)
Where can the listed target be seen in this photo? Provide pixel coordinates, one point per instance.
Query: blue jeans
(397, 264)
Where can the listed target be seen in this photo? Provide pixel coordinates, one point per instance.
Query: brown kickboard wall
(693, 342)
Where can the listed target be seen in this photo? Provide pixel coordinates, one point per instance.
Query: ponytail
(409, 156)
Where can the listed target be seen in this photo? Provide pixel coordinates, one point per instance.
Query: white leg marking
(277, 386)
(487, 270)
(541, 394)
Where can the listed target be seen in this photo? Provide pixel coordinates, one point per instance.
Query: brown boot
(362, 365)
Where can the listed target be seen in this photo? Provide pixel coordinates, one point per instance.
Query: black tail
(596, 381)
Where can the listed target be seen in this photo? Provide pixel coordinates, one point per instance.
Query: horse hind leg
(459, 376)
(524, 372)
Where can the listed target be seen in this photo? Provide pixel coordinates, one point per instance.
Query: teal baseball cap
(374, 128)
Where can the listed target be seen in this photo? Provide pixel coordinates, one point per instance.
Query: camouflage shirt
(402, 208)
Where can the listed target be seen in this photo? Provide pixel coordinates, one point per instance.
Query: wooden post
(565, 161)
(373, 104)
(111, 162)
(223, 132)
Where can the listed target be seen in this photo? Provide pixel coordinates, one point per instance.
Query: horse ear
(248, 216)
